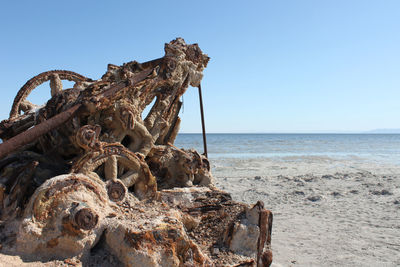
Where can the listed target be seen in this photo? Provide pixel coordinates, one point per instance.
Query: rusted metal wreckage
(86, 173)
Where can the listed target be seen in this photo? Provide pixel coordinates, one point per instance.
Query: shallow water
(375, 147)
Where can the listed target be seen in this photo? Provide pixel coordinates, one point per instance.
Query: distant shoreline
(332, 133)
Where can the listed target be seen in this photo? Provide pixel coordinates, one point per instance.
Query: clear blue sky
(276, 66)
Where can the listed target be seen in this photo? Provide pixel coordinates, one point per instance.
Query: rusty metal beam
(138, 77)
(34, 133)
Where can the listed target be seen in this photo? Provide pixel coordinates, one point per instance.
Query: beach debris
(314, 198)
(382, 192)
(90, 173)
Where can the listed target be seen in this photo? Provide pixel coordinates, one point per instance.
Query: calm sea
(378, 147)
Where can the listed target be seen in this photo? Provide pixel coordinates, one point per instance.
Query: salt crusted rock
(87, 181)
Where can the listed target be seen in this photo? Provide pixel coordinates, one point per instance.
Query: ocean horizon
(377, 147)
(395, 131)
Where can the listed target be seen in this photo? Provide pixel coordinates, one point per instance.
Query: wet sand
(327, 212)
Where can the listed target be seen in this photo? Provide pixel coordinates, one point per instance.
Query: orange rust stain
(68, 228)
(52, 243)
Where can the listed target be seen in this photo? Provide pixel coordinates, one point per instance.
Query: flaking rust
(87, 179)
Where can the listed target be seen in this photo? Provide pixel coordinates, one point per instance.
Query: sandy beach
(327, 212)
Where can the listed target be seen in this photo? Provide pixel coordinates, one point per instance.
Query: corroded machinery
(87, 173)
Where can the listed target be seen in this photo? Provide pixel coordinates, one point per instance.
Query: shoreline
(327, 211)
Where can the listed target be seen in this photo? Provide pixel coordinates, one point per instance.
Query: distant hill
(388, 131)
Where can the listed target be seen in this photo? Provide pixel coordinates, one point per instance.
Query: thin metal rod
(202, 122)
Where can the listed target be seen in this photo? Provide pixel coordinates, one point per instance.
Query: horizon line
(316, 132)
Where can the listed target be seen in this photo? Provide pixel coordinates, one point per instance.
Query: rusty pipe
(34, 133)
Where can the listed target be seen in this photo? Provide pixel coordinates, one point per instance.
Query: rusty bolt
(116, 191)
(86, 219)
